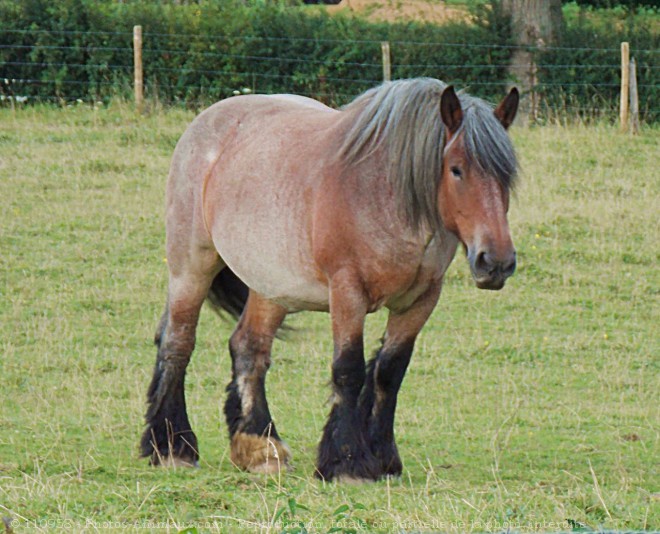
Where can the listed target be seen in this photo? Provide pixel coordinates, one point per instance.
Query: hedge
(195, 53)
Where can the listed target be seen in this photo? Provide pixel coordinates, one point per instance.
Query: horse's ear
(450, 109)
(506, 110)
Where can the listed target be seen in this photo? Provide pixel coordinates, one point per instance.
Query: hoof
(355, 468)
(166, 448)
(349, 479)
(349, 472)
(175, 462)
(353, 480)
(259, 454)
(392, 467)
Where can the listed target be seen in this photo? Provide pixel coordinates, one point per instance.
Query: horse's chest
(435, 260)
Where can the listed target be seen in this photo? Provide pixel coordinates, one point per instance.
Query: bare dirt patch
(436, 12)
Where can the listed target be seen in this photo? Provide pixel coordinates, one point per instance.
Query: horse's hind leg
(168, 438)
(385, 373)
(255, 444)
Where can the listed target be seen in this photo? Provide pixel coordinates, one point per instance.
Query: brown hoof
(259, 454)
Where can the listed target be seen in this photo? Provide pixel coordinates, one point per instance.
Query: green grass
(535, 408)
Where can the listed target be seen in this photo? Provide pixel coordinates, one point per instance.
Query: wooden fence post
(138, 79)
(387, 64)
(625, 81)
(634, 98)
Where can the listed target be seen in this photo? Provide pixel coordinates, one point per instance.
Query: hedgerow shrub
(199, 52)
(583, 75)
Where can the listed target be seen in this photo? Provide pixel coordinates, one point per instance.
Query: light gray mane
(403, 117)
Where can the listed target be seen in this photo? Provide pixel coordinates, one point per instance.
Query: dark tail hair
(228, 293)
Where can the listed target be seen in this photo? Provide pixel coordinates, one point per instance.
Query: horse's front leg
(385, 373)
(344, 453)
(255, 443)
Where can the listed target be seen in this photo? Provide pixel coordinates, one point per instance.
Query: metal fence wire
(196, 70)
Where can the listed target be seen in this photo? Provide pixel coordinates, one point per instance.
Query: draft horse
(277, 204)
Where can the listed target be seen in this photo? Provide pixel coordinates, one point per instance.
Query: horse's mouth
(492, 283)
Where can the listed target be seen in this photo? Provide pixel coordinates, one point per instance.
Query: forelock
(486, 142)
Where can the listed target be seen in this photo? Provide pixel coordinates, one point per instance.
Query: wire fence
(94, 66)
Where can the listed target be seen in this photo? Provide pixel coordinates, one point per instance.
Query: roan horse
(277, 204)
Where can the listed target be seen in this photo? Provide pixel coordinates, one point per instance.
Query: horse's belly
(273, 277)
(266, 247)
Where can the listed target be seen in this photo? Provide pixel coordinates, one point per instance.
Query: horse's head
(473, 196)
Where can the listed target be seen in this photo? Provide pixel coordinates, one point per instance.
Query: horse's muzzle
(490, 271)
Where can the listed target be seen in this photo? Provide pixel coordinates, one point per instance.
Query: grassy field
(533, 409)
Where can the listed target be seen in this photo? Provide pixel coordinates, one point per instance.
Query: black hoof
(174, 462)
(168, 448)
(351, 466)
(387, 456)
(391, 467)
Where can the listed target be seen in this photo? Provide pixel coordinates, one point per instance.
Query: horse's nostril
(510, 267)
(484, 263)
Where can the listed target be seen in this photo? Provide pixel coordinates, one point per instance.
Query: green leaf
(279, 514)
(342, 509)
(292, 506)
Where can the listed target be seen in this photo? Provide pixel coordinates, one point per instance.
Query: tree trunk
(535, 23)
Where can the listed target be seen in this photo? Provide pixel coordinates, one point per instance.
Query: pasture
(536, 408)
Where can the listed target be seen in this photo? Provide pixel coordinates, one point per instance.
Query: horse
(278, 204)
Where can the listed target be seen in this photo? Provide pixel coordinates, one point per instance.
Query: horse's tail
(228, 293)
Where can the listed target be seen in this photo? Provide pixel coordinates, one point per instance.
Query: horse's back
(303, 101)
(233, 119)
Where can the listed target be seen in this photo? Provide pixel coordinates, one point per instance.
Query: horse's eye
(456, 172)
